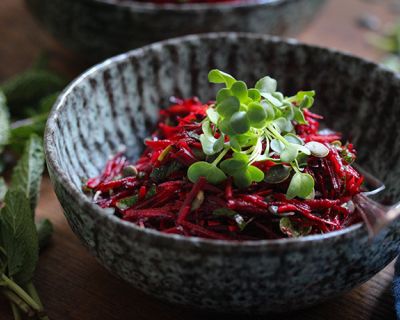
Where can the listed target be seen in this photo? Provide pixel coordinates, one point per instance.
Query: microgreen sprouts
(249, 125)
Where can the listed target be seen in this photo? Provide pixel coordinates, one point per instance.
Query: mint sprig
(19, 238)
(4, 122)
(247, 125)
(3, 189)
(27, 174)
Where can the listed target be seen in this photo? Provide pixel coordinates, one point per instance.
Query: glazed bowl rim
(191, 7)
(84, 201)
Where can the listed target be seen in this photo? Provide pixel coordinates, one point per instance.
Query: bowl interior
(116, 103)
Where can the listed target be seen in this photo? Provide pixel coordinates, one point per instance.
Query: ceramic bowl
(117, 102)
(101, 28)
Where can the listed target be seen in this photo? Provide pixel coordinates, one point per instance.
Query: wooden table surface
(71, 282)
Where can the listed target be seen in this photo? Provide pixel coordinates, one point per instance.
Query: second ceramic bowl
(101, 28)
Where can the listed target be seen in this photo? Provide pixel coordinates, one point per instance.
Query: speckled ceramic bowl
(116, 103)
(100, 28)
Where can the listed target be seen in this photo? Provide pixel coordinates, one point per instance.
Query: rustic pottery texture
(100, 28)
(116, 103)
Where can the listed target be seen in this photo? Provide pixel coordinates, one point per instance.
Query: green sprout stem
(17, 304)
(220, 156)
(21, 293)
(30, 288)
(16, 312)
(277, 135)
(295, 166)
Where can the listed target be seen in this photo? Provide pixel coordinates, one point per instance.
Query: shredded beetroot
(159, 196)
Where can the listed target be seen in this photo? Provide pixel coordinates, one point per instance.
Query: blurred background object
(101, 28)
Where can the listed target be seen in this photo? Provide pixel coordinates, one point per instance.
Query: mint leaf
(28, 88)
(23, 129)
(4, 122)
(18, 236)
(3, 189)
(27, 174)
(3, 260)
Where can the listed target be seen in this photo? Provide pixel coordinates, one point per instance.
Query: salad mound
(250, 165)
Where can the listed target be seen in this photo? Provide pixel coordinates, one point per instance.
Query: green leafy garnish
(301, 185)
(204, 169)
(26, 90)
(27, 175)
(161, 173)
(4, 122)
(19, 235)
(3, 190)
(217, 76)
(247, 125)
(26, 100)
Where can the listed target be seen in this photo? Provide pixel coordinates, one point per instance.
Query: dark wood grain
(73, 285)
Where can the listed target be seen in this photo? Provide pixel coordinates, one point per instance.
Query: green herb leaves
(242, 172)
(29, 97)
(4, 122)
(18, 236)
(217, 76)
(266, 85)
(208, 170)
(30, 94)
(3, 190)
(18, 230)
(210, 144)
(27, 174)
(19, 242)
(301, 185)
(26, 90)
(248, 125)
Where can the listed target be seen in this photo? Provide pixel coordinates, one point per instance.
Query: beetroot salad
(250, 165)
